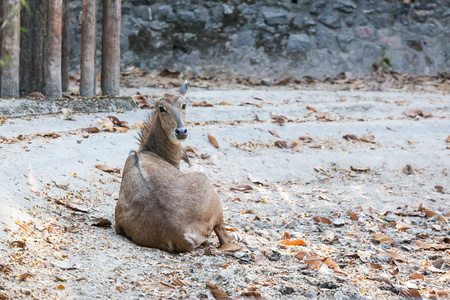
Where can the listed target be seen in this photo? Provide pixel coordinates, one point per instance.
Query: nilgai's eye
(162, 109)
(183, 106)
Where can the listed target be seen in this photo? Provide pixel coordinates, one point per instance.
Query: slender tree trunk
(10, 49)
(65, 47)
(87, 64)
(111, 47)
(52, 58)
(32, 47)
(1, 38)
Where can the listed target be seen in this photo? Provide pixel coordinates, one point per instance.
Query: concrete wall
(275, 39)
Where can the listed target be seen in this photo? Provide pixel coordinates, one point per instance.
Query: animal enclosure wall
(320, 38)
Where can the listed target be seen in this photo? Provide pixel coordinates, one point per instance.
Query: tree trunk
(111, 47)
(52, 57)
(65, 47)
(32, 47)
(10, 49)
(87, 64)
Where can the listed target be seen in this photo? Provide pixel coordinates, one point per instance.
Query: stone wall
(276, 38)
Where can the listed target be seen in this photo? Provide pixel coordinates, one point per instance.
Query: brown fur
(159, 206)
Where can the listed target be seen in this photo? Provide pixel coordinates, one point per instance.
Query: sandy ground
(48, 250)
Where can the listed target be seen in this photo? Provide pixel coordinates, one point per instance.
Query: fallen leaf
(416, 276)
(35, 95)
(102, 122)
(23, 277)
(255, 180)
(91, 130)
(448, 139)
(274, 133)
(225, 103)
(67, 205)
(402, 226)
(311, 108)
(382, 238)
(66, 114)
(291, 242)
(212, 285)
(407, 169)
(102, 223)
(360, 169)
(376, 266)
(279, 119)
(251, 295)
(322, 220)
(229, 247)
(410, 294)
(331, 263)
(60, 287)
(353, 216)
(107, 169)
(203, 104)
(242, 188)
(204, 156)
(192, 151)
(179, 282)
(4, 296)
(413, 112)
(313, 261)
(18, 244)
(350, 137)
(213, 140)
(427, 246)
(430, 213)
(121, 129)
(368, 139)
(395, 256)
(232, 229)
(305, 139)
(219, 294)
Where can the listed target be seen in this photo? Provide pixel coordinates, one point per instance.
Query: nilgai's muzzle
(181, 133)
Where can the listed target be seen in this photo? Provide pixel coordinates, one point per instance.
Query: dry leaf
(213, 140)
(212, 285)
(313, 261)
(331, 263)
(121, 129)
(311, 108)
(427, 246)
(368, 139)
(382, 238)
(192, 151)
(18, 244)
(410, 294)
(402, 226)
(225, 103)
(448, 139)
(23, 277)
(413, 112)
(105, 168)
(203, 104)
(360, 169)
(322, 220)
(243, 188)
(376, 266)
(208, 251)
(274, 133)
(4, 296)
(350, 137)
(179, 282)
(430, 213)
(102, 223)
(91, 130)
(70, 207)
(60, 287)
(305, 139)
(291, 242)
(395, 256)
(302, 254)
(231, 229)
(229, 247)
(219, 294)
(36, 95)
(353, 216)
(251, 295)
(416, 276)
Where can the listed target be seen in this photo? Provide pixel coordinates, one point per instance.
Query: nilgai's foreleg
(222, 234)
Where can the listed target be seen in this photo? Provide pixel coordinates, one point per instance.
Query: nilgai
(159, 206)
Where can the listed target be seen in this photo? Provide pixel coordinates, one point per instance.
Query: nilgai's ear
(143, 102)
(184, 89)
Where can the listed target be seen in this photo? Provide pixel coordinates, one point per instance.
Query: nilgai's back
(159, 206)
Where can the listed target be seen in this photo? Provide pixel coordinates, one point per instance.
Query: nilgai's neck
(159, 143)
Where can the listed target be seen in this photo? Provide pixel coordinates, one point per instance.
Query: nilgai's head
(170, 110)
